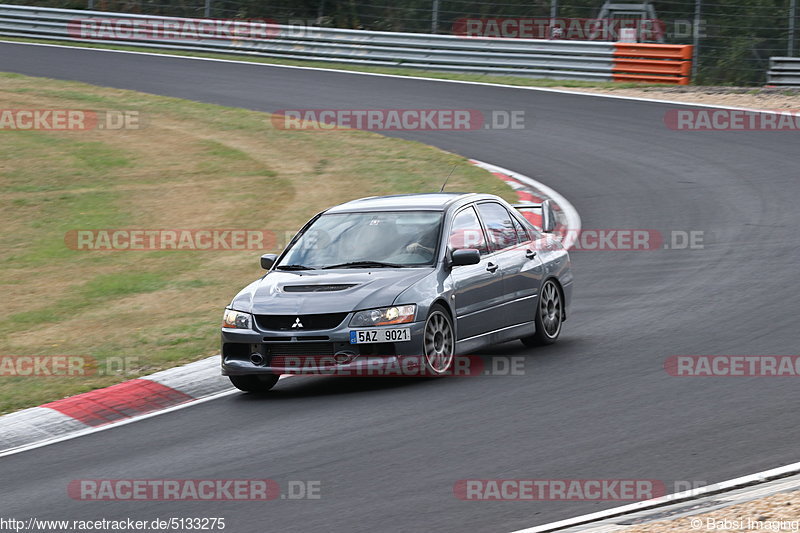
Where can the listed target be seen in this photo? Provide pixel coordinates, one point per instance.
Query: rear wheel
(549, 313)
(439, 342)
(254, 382)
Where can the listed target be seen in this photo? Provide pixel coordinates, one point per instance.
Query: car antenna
(447, 178)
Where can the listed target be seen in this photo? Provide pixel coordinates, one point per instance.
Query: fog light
(343, 358)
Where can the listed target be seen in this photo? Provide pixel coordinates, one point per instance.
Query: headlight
(384, 316)
(235, 319)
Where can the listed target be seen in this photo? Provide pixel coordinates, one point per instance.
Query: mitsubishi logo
(297, 323)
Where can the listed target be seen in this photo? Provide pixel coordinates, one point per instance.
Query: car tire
(549, 316)
(254, 382)
(438, 342)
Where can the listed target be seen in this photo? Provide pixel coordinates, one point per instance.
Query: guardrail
(570, 60)
(784, 71)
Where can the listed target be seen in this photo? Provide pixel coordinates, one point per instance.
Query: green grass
(192, 166)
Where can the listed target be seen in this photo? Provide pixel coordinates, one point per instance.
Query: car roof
(434, 201)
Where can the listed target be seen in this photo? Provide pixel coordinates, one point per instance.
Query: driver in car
(426, 244)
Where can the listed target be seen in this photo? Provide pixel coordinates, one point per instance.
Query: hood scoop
(318, 287)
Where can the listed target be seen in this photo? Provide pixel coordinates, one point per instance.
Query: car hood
(298, 293)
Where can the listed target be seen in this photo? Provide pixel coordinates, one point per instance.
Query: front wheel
(438, 342)
(549, 314)
(254, 382)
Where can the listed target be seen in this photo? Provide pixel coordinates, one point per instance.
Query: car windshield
(367, 240)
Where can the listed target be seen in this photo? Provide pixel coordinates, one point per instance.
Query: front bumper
(312, 352)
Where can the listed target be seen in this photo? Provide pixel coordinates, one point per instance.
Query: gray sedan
(417, 277)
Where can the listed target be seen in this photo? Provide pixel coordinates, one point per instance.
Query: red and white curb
(189, 384)
(568, 225)
(39, 426)
(115, 405)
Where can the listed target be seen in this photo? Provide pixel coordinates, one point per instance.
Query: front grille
(301, 362)
(287, 338)
(301, 354)
(309, 322)
(317, 288)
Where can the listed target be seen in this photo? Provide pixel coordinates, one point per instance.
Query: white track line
(795, 467)
(573, 223)
(125, 422)
(722, 486)
(398, 76)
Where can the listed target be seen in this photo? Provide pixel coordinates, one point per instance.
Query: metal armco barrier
(784, 71)
(569, 60)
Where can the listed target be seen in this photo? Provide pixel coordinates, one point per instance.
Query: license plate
(366, 336)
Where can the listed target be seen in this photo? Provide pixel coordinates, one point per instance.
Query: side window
(533, 219)
(466, 232)
(522, 233)
(531, 230)
(499, 227)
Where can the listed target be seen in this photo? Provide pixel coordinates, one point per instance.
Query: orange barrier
(663, 51)
(652, 63)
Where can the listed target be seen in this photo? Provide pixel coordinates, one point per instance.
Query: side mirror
(267, 260)
(548, 217)
(465, 256)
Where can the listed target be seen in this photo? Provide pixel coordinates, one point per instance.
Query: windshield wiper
(365, 264)
(293, 267)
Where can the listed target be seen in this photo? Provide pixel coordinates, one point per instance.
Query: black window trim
(489, 201)
(524, 228)
(533, 233)
(474, 207)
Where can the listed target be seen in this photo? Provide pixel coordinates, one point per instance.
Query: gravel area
(759, 98)
(779, 512)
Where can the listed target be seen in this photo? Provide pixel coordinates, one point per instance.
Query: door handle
(530, 254)
(491, 267)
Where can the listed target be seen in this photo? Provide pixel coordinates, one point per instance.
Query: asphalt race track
(599, 404)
